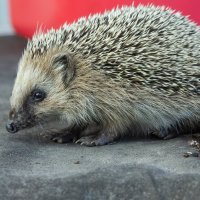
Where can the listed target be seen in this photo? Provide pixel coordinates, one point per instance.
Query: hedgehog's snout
(16, 121)
(11, 127)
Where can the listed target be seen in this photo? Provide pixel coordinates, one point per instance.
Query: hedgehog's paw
(59, 136)
(164, 135)
(95, 140)
(49, 134)
(63, 139)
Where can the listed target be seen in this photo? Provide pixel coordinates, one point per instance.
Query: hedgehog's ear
(63, 64)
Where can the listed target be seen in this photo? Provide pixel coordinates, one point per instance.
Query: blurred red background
(26, 16)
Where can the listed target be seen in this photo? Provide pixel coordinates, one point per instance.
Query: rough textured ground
(33, 168)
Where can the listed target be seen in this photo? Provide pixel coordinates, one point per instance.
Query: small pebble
(186, 155)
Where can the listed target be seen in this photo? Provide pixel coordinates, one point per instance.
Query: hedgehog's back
(148, 46)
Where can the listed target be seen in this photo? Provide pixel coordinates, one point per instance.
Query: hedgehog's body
(131, 70)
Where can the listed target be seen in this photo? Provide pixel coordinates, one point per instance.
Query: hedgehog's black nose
(11, 127)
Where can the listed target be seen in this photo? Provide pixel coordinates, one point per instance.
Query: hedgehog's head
(40, 88)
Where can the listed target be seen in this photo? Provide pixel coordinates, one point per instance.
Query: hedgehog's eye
(38, 95)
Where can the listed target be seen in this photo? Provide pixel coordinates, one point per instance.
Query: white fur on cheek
(24, 84)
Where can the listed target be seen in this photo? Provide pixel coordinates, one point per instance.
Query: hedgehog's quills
(128, 71)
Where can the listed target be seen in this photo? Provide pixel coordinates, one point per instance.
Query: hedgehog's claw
(86, 141)
(92, 140)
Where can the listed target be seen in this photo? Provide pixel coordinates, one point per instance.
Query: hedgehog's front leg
(95, 140)
(60, 135)
(96, 136)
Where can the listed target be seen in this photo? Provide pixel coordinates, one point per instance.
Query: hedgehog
(130, 71)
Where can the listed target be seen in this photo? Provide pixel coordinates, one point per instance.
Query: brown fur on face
(45, 73)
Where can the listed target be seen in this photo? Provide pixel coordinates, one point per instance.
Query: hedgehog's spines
(141, 46)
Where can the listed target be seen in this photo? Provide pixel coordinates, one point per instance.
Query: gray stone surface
(34, 168)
